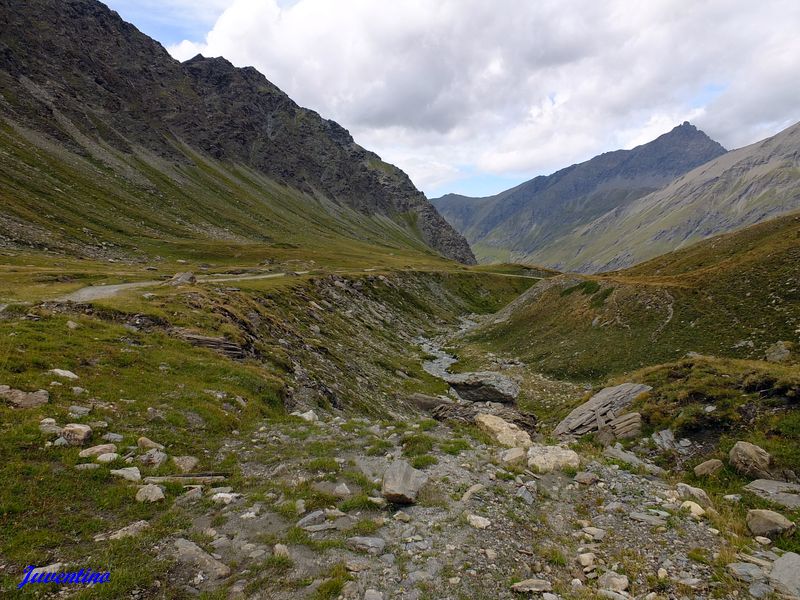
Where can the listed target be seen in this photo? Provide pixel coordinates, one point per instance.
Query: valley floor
(208, 488)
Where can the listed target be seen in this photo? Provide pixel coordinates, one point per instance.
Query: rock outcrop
(601, 410)
(750, 460)
(484, 386)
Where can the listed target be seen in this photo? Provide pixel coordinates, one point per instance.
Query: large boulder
(785, 574)
(768, 523)
(600, 410)
(501, 431)
(780, 492)
(750, 460)
(484, 386)
(402, 483)
(21, 399)
(544, 459)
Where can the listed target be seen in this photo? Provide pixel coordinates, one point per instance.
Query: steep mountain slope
(194, 150)
(745, 186)
(528, 221)
(734, 295)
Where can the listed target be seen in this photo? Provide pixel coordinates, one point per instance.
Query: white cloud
(444, 88)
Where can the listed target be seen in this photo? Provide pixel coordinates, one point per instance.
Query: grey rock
(21, 399)
(708, 468)
(768, 523)
(746, 572)
(372, 545)
(148, 444)
(618, 453)
(185, 464)
(750, 460)
(76, 434)
(313, 518)
(531, 585)
(182, 279)
(402, 483)
(785, 574)
(694, 493)
(153, 458)
(79, 411)
(586, 478)
(610, 580)
(97, 450)
(648, 518)
(780, 492)
(113, 437)
(128, 473)
(60, 442)
(149, 493)
(131, 530)
(484, 386)
(49, 427)
(87, 467)
(524, 494)
(778, 352)
(759, 590)
(191, 554)
(373, 595)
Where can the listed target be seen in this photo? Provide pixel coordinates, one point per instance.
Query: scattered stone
(187, 278)
(648, 518)
(312, 518)
(524, 494)
(595, 533)
(76, 412)
(60, 442)
(697, 494)
(63, 373)
(746, 572)
(148, 444)
(97, 450)
(501, 431)
(49, 427)
(20, 399)
(531, 585)
(778, 352)
(708, 468)
(618, 453)
(767, 523)
(586, 559)
(128, 473)
(373, 595)
(149, 493)
(108, 457)
(153, 458)
(780, 492)
(87, 467)
(759, 590)
(513, 456)
(309, 416)
(586, 478)
(131, 530)
(478, 522)
(185, 464)
(484, 386)
(545, 459)
(342, 491)
(72, 325)
(371, 545)
(112, 437)
(613, 581)
(225, 497)
(785, 574)
(281, 550)
(471, 491)
(600, 409)
(750, 460)
(76, 434)
(402, 483)
(190, 553)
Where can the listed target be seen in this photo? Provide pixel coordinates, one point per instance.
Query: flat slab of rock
(402, 483)
(63, 373)
(600, 410)
(128, 473)
(501, 431)
(191, 554)
(531, 585)
(129, 531)
(20, 399)
(484, 386)
(545, 459)
(785, 574)
(746, 572)
(708, 468)
(97, 450)
(618, 453)
(780, 492)
(371, 545)
(149, 493)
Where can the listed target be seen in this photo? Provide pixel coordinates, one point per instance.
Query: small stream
(439, 366)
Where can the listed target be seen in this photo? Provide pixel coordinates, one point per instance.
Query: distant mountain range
(102, 130)
(623, 207)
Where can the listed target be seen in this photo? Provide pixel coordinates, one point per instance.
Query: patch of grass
(423, 460)
(417, 444)
(454, 446)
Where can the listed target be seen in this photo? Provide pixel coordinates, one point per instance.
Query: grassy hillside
(733, 296)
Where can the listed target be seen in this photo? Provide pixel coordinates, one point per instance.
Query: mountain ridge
(532, 215)
(77, 73)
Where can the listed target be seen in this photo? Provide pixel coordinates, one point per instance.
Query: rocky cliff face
(75, 71)
(529, 220)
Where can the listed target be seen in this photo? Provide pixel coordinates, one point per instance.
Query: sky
(476, 96)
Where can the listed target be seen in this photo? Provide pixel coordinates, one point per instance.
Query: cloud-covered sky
(475, 96)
